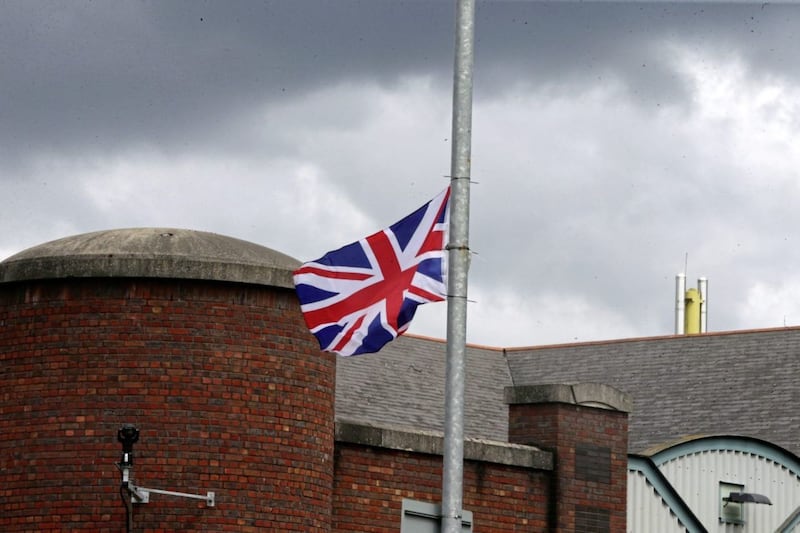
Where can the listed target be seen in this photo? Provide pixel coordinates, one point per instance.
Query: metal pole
(458, 267)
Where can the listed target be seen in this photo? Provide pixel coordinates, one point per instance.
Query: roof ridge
(653, 338)
(601, 342)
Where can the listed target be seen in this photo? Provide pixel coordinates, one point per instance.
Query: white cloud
(752, 118)
(384, 146)
(281, 203)
(771, 304)
(504, 318)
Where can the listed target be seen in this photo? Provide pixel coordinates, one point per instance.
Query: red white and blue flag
(363, 295)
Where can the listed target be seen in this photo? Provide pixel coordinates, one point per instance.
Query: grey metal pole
(458, 267)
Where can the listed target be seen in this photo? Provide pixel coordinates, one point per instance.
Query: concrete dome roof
(152, 253)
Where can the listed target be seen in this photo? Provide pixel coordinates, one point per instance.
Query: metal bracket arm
(142, 494)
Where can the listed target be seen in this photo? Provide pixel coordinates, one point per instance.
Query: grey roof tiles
(734, 383)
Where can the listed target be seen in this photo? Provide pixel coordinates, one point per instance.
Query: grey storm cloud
(101, 74)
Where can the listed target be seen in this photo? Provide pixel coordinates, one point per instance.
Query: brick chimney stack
(586, 427)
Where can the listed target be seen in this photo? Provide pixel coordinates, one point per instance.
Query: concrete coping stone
(595, 395)
(432, 442)
(166, 253)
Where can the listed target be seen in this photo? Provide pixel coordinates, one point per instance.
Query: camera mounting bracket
(142, 494)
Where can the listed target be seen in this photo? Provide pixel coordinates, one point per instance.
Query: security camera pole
(458, 267)
(128, 435)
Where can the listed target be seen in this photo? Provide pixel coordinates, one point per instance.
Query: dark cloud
(98, 75)
(583, 43)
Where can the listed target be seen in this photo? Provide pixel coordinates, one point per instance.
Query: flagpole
(458, 267)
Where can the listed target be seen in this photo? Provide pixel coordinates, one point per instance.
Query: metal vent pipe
(680, 304)
(702, 285)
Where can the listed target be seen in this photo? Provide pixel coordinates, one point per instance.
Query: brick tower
(194, 338)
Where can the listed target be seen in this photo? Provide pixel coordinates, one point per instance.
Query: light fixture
(746, 497)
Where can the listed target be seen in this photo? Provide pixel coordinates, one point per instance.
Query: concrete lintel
(595, 395)
(432, 443)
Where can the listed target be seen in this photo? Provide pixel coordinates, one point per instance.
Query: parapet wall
(506, 486)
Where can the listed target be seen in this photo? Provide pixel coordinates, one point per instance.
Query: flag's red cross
(353, 307)
(391, 286)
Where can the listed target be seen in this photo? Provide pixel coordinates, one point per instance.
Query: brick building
(197, 340)
(710, 413)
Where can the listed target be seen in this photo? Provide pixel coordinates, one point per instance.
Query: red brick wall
(587, 443)
(228, 389)
(370, 484)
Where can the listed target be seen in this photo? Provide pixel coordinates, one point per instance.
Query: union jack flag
(363, 295)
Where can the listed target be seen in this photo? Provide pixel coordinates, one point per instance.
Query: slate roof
(403, 385)
(733, 383)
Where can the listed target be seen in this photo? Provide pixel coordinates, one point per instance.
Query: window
(730, 512)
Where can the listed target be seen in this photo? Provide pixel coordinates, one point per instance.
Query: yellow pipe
(692, 316)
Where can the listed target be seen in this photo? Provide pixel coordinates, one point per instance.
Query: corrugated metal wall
(647, 512)
(696, 478)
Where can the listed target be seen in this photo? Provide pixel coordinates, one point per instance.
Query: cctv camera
(127, 435)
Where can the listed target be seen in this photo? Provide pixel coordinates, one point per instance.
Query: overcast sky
(614, 144)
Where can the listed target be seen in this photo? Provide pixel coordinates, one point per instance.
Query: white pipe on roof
(702, 286)
(680, 303)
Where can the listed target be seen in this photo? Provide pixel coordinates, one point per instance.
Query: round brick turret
(197, 340)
